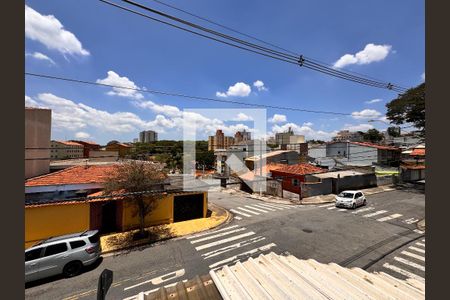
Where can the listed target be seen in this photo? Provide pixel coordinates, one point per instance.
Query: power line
(271, 53)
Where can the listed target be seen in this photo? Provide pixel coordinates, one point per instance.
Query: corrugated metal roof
(286, 277)
(275, 276)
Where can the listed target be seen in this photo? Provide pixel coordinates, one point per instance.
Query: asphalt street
(381, 236)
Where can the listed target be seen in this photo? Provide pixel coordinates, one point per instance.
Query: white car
(351, 199)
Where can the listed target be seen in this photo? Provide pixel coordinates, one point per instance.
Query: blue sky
(92, 41)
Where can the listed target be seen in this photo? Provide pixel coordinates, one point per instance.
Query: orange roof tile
(73, 175)
(381, 147)
(299, 169)
(418, 152)
(69, 143)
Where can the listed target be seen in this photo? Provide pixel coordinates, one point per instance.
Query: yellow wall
(52, 220)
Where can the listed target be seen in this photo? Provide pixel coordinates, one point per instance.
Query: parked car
(351, 199)
(66, 254)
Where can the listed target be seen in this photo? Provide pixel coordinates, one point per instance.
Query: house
(412, 167)
(288, 157)
(362, 154)
(121, 148)
(87, 147)
(65, 150)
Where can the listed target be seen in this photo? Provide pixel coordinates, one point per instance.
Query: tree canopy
(372, 135)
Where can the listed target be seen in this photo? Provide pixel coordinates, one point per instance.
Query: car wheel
(72, 269)
(354, 205)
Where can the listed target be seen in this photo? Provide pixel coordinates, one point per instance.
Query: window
(358, 195)
(33, 254)
(94, 239)
(77, 244)
(55, 249)
(295, 182)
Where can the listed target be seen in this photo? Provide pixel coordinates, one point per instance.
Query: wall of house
(45, 221)
(315, 188)
(351, 154)
(287, 181)
(354, 182)
(37, 135)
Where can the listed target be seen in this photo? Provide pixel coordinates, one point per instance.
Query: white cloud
(423, 76)
(366, 114)
(260, 85)
(242, 117)
(307, 131)
(82, 135)
(114, 79)
(29, 102)
(309, 124)
(370, 53)
(49, 31)
(239, 89)
(40, 56)
(359, 127)
(374, 101)
(277, 118)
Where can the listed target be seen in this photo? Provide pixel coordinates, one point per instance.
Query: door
(54, 259)
(32, 264)
(109, 211)
(359, 199)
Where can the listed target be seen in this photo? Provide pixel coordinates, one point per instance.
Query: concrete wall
(103, 155)
(37, 135)
(45, 221)
(354, 182)
(273, 188)
(351, 154)
(324, 187)
(386, 180)
(412, 175)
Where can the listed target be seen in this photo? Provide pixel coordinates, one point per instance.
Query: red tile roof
(299, 169)
(413, 167)
(418, 152)
(73, 175)
(69, 143)
(381, 147)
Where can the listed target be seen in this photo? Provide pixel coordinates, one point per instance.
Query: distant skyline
(84, 40)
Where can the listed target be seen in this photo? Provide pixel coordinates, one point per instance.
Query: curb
(227, 219)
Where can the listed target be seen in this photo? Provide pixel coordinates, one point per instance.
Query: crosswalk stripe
(342, 209)
(230, 259)
(264, 207)
(217, 235)
(257, 209)
(362, 210)
(411, 221)
(240, 213)
(409, 263)
(272, 206)
(233, 247)
(419, 231)
(417, 249)
(238, 218)
(423, 240)
(330, 208)
(419, 257)
(211, 232)
(248, 210)
(391, 217)
(403, 272)
(420, 244)
(220, 242)
(375, 213)
(326, 205)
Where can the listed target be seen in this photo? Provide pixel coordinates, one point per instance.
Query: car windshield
(346, 195)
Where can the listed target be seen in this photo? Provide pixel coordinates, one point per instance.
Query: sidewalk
(124, 240)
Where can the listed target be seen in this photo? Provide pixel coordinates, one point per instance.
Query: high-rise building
(219, 141)
(148, 136)
(283, 139)
(242, 136)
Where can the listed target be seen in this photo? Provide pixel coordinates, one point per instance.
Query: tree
(394, 131)
(133, 177)
(373, 135)
(409, 108)
(206, 158)
(112, 142)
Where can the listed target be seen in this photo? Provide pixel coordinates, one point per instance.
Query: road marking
(238, 218)
(151, 291)
(417, 249)
(411, 221)
(362, 210)
(233, 247)
(330, 208)
(230, 259)
(391, 217)
(419, 257)
(271, 206)
(403, 272)
(257, 209)
(284, 205)
(206, 233)
(409, 263)
(271, 209)
(248, 210)
(217, 235)
(375, 213)
(419, 231)
(420, 244)
(423, 240)
(327, 205)
(342, 209)
(159, 279)
(219, 242)
(240, 213)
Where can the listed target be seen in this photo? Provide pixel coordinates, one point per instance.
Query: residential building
(283, 139)
(346, 135)
(412, 167)
(66, 150)
(148, 136)
(87, 147)
(291, 176)
(288, 157)
(37, 141)
(219, 141)
(241, 136)
(121, 148)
